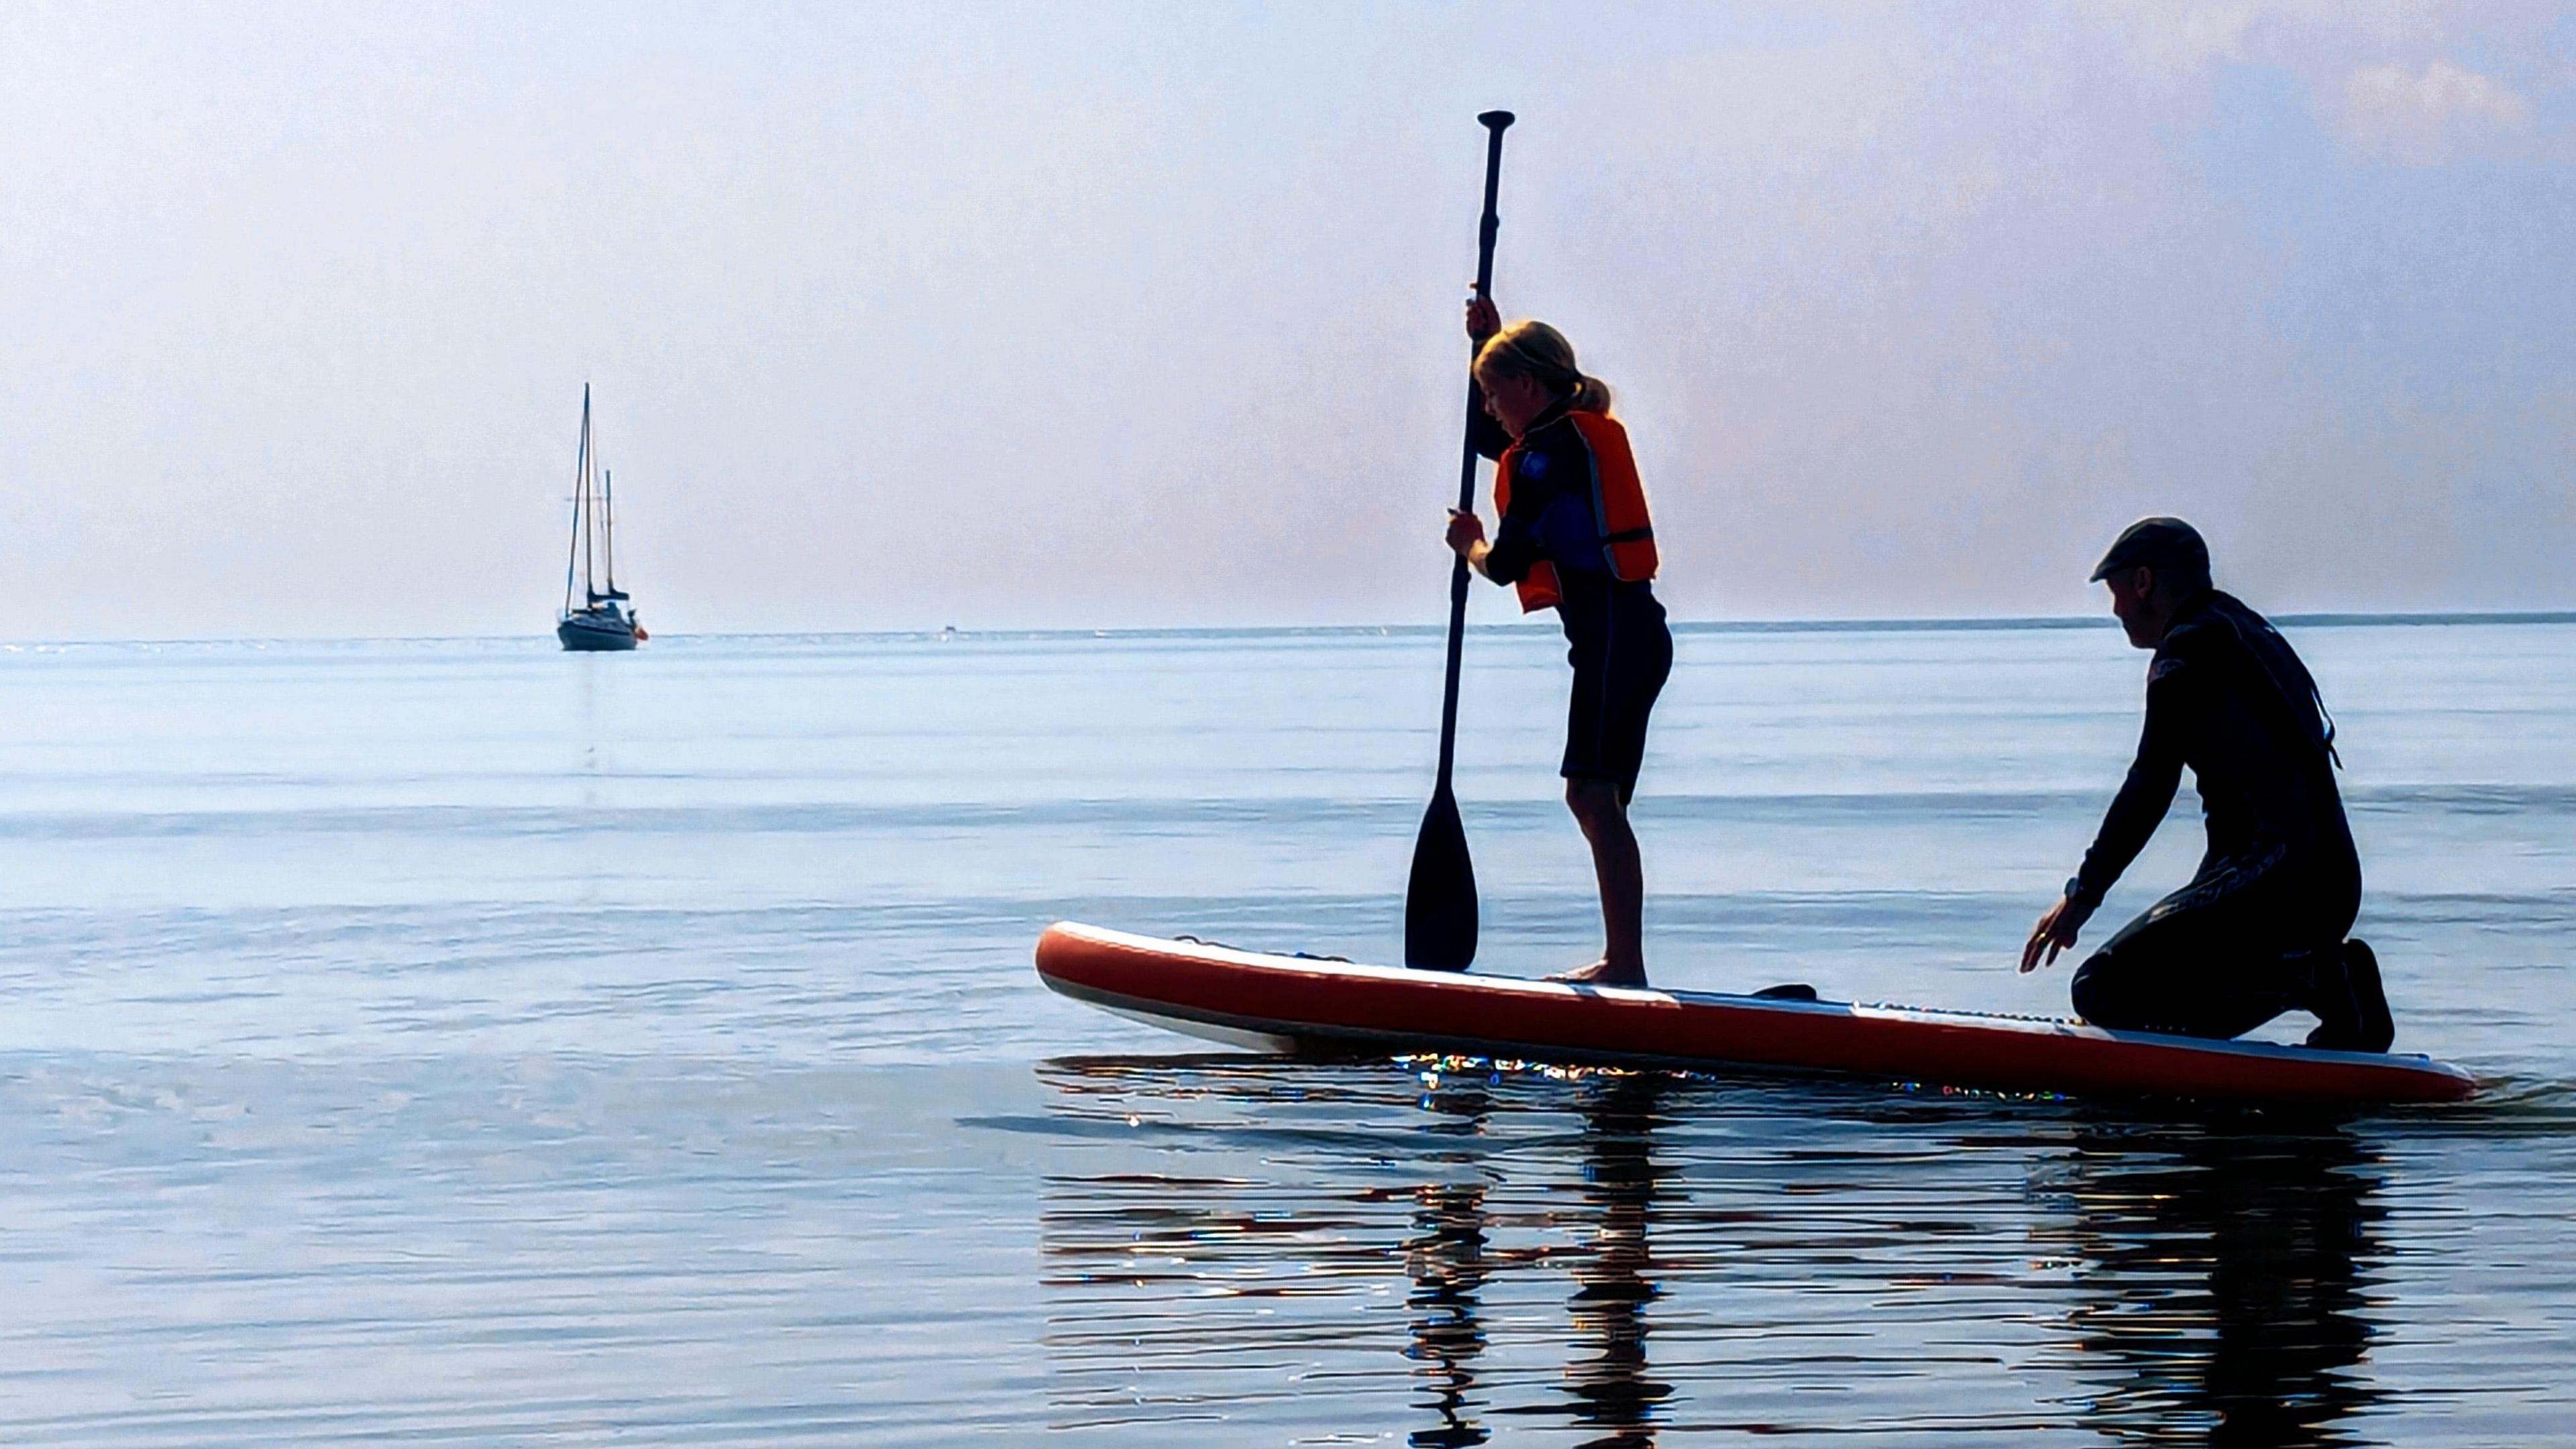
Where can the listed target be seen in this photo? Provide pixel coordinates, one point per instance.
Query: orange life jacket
(1618, 510)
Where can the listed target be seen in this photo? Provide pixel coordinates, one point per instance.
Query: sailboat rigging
(604, 619)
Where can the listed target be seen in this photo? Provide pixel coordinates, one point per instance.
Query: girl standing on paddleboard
(1574, 537)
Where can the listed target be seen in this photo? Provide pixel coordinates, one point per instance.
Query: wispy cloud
(2425, 119)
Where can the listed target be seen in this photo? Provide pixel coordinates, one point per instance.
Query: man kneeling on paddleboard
(2260, 929)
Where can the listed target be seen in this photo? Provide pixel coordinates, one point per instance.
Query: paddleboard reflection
(1457, 1254)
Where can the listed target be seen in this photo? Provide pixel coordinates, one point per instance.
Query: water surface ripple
(453, 1042)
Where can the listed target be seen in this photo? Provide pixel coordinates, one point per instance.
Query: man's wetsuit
(2263, 921)
(1615, 633)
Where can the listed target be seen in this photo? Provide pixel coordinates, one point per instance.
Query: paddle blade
(1440, 900)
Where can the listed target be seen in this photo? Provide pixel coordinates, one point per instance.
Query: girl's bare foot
(1602, 973)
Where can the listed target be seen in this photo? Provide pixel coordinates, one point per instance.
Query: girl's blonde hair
(1540, 352)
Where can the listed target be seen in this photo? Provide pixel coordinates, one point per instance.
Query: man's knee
(2100, 996)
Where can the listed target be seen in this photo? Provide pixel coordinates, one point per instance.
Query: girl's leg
(1605, 742)
(1622, 876)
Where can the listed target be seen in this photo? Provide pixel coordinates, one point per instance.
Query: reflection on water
(1461, 1255)
(2224, 1268)
(1446, 1260)
(1614, 1282)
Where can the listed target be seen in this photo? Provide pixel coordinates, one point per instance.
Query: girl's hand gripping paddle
(1440, 899)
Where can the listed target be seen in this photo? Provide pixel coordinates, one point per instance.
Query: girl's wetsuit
(1617, 640)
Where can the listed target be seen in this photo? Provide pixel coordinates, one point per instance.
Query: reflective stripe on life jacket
(1619, 515)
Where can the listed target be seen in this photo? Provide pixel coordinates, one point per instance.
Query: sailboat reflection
(2222, 1268)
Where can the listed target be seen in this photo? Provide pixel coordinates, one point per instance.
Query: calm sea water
(459, 1042)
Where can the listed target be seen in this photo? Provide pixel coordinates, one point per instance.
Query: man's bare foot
(1602, 973)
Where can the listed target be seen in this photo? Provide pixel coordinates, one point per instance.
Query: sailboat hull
(595, 636)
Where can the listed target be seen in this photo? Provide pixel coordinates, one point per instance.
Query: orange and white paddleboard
(1304, 1005)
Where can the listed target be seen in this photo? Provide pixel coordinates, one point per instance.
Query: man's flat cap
(2157, 543)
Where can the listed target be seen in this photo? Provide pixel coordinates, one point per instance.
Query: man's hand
(2054, 933)
(1483, 319)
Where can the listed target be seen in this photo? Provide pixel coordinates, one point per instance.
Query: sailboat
(605, 619)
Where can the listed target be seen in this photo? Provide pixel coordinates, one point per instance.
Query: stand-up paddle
(1440, 899)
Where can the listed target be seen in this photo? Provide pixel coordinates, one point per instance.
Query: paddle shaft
(1486, 228)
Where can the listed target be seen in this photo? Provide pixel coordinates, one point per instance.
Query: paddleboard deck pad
(1306, 1005)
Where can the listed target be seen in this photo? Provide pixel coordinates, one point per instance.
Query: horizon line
(2334, 619)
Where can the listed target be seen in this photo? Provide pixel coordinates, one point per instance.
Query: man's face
(2133, 593)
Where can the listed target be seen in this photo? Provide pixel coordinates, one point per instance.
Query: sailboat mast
(589, 509)
(580, 470)
(608, 526)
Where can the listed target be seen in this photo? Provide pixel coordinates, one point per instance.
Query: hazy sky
(1089, 314)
